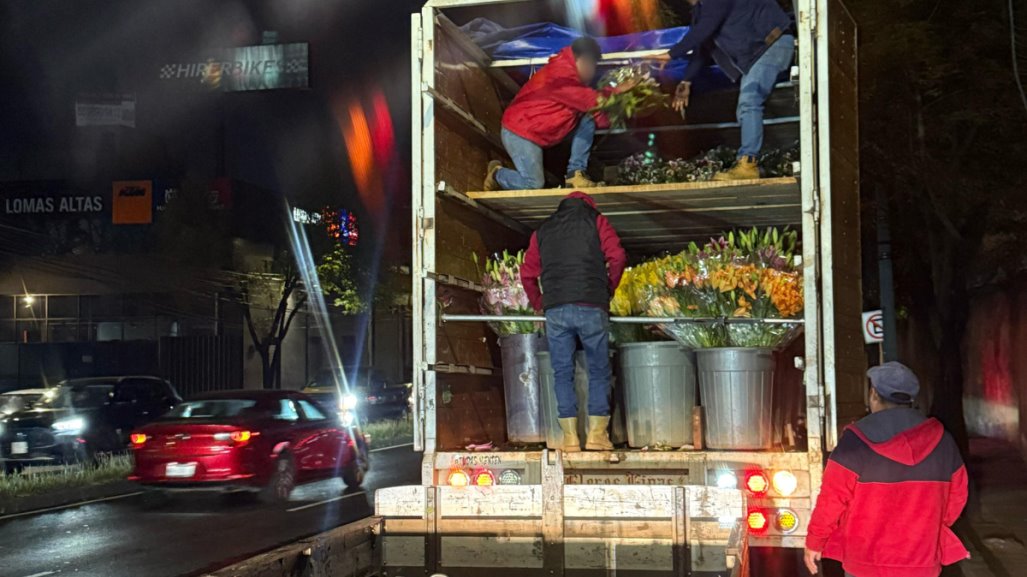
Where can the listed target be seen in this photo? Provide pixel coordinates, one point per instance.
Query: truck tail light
(785, 483)
(786, 521)
(757, 521)
(458, 478)
(484, 478)
(138, 439)
(757, 484)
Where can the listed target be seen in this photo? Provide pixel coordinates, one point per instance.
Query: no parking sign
(873, 327)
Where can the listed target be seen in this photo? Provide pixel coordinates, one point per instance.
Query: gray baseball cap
(894, 382)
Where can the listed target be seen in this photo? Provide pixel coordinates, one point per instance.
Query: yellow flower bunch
(785, 290)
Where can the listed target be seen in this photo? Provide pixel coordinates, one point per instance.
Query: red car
(262, 441)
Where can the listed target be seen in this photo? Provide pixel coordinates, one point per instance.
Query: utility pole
(890, 346)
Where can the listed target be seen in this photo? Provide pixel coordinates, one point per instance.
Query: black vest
(573, 264)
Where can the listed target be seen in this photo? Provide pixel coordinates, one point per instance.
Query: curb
(64, 497)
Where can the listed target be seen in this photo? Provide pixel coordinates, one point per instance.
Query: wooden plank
(731, 187)
(511, 501)
(612, 502)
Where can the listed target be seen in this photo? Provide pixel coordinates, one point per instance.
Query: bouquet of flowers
(642, 97)
(504, 294)
(648, 168)
(741, 275)
(638, 285)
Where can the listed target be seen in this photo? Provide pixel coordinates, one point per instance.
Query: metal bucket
(521, 387)
(551, 415)
(659, 393)
(736, 387)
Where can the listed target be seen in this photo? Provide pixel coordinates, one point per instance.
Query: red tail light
(757, 521)
(138, 439)
(484, 478)
(241, 437)
(757, 483)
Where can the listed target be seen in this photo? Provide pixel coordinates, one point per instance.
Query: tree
(942, 132)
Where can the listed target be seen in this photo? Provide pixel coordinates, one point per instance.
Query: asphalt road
(190, 534)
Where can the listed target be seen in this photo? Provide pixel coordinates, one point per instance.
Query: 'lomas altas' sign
(51, 204)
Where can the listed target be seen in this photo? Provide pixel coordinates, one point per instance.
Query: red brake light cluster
(757, 483)
(757, 521)
(137, 439)
(483, 478)
(240, 437)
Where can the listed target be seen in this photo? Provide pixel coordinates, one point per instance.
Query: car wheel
(353, 474)
(282, 481)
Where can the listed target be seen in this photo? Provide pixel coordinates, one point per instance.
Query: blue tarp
(544, 39)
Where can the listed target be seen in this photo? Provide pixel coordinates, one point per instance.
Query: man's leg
(581, 145)
(560, 333)
(594, 330)
(527, 157)
(756, 87)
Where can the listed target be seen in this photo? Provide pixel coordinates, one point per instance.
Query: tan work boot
(746, 169)
(580, 180)
(598, 437)
(571, 442)
(491, 184)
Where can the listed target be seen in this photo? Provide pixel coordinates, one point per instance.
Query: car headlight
(73, 425)
(348, 402)
(346, 418)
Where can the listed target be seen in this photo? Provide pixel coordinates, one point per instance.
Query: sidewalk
(995, 522)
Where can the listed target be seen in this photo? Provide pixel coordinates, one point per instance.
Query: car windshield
(82, 395)
(12, 403)
(210, 409)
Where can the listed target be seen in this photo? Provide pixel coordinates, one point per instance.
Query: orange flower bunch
(785, 290)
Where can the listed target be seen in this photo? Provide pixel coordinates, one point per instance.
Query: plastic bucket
(659, 393)
(521, 387)
(736, 386)
(550, 413)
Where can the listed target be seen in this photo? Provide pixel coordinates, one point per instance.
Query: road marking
(392, 447)
(41, 574)
(68, 506)
(326, 501)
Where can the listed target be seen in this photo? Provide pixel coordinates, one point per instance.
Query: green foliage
(390, 432)
(340, 280)
(643, 98)
(109, 468)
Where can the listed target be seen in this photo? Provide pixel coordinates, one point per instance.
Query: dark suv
(82, 417)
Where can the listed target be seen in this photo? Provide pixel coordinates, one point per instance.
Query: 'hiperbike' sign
(245, 68)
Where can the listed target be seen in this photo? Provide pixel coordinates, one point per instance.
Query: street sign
(873, 327)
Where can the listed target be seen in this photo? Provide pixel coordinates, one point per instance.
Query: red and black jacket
(892, 489)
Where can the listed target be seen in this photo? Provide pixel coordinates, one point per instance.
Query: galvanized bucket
(659, 393)
(736, 387)
(521, 387)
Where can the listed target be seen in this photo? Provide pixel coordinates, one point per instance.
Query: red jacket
(892, 489)
(552, 103)
(609, 242)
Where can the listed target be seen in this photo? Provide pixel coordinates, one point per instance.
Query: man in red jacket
(892, 489)
(557, 102)
(578, 256)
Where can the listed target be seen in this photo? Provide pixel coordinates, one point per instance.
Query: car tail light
(757, 483)
(241, 437)
(786, 521)
(138, 439)
(757, 521)
(458, 478)
(785, 483)
(484, 478)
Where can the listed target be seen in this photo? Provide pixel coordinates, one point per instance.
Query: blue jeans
(527, 157)
(564, 326)
(757, 84)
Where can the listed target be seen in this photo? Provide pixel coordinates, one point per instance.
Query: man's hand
(681, 96)
(626, 85)
(812, 558)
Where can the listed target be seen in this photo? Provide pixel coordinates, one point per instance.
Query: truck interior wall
(850, 361)
(470, 406)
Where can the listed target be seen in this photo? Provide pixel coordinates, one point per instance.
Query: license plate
(180, 470)
(19, 448)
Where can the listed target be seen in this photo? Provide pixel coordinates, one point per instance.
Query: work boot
(491, 184)
(598, 437)
(580, 180)
(571, 442)
(746, 169)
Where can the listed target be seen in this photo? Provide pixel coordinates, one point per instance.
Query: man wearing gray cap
(892, 489)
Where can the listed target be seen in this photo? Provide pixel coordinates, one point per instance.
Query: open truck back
(547, 512)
